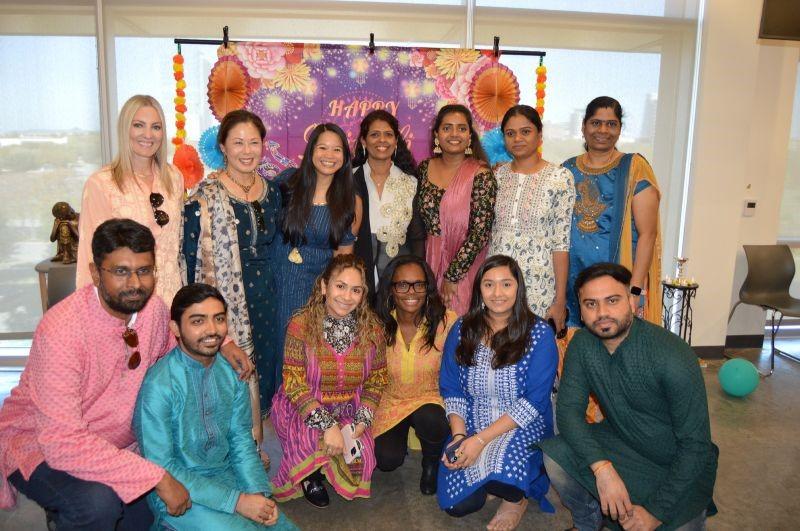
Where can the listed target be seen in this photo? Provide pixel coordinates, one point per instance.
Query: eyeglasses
(123, 273)
(156, 200)
(403, 286)
(262, 225)
(131, 339)
(611, 124)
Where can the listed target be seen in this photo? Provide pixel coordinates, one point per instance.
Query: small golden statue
(65, 233)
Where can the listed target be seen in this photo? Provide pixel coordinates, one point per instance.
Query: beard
(197, 348)
(612, 328)
(119, 303)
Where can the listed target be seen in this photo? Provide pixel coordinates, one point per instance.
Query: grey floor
(758, 482)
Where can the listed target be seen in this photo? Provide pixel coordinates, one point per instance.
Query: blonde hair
(368, 326)
(122, 165)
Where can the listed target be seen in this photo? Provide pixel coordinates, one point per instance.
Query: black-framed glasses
(123, 273)
(402, 286)
(156, 200)
(131, 339)
(260, 223)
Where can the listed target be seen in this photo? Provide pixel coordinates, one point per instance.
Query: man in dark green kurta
(651, 462)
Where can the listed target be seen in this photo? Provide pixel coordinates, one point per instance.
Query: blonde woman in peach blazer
(139, 185)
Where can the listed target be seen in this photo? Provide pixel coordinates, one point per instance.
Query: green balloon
(738, 377)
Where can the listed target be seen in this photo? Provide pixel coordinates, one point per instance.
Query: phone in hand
(352, 446)
(450, 451)
(560, 334)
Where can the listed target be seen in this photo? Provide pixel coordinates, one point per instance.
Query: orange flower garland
(186, 158)
(541, 85)
(180, 99)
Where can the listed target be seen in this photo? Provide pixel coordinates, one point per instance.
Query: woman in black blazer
(384, 174)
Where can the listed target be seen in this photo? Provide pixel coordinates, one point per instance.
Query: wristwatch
(636, 290)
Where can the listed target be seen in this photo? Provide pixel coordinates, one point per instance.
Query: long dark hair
(475, 141)
(298, 193)
(402, 157)
(509, 343)
(432, 312)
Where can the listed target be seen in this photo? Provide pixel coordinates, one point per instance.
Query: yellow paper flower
(294, 78)
(449, 60)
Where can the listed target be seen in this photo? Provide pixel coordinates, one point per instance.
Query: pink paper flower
(262, 59)
(463, 80)
(417, 58)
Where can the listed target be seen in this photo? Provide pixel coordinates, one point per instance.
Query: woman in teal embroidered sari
(615, 218)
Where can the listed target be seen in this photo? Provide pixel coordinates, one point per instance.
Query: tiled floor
(758, 481)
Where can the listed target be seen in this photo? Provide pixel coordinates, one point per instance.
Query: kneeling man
(651, 462)
(193, 418)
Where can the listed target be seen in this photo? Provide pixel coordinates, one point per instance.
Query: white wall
(742, 122)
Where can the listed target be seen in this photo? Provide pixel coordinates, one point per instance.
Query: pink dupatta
(454, 213)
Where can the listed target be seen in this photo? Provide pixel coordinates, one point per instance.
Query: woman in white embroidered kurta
(533, 214)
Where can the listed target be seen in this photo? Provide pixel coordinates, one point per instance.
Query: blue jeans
(78, 504)
(584, 507)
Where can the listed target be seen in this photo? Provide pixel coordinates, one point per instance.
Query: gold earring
(468, 151)
(437, 150)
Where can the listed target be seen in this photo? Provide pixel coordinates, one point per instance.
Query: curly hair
(402, 158)
(314, 311)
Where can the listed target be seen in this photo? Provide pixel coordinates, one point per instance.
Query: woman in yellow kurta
(416, 324)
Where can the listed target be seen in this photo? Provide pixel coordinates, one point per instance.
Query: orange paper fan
(227, 86)
(494, 90)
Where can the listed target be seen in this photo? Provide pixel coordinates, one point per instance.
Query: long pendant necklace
(245, 187)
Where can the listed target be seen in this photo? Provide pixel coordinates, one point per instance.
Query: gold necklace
(245, 187)
(604, 163)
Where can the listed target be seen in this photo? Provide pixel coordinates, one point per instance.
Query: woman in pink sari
(456, 196)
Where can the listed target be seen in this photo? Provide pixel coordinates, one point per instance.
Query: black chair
(770, 270)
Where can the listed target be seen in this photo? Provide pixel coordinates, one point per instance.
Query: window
(49, 145)
(789, 230)
(574, 78)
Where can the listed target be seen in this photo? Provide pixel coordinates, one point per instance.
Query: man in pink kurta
(71, 413)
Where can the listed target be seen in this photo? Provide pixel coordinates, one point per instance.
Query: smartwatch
(636, 290)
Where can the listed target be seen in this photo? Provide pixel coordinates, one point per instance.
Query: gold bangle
(596, 470)
(483, 443)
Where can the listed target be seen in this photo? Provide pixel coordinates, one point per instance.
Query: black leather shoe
(315, 492)
(430, 472)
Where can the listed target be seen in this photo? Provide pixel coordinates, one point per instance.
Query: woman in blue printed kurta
(497, 397)
(320, 217)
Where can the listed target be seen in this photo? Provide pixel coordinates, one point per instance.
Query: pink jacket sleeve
(64, 437)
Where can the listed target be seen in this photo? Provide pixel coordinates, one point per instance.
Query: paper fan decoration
(494, 90)
(209, 149)
(494, 145)
(227, 86)
(187, 160)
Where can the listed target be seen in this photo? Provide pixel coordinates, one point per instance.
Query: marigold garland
(185, 158)
(541, 85)
(179, 100)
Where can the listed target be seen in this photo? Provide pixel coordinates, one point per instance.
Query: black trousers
(430, 424)
(476, 500)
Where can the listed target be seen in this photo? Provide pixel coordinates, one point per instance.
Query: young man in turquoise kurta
(193, 418)
(651, 463)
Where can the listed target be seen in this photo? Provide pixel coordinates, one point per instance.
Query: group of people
(364, 306)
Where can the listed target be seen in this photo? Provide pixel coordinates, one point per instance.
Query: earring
(395, 153)
(224, 160)
(468, 151)
(436, 149)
